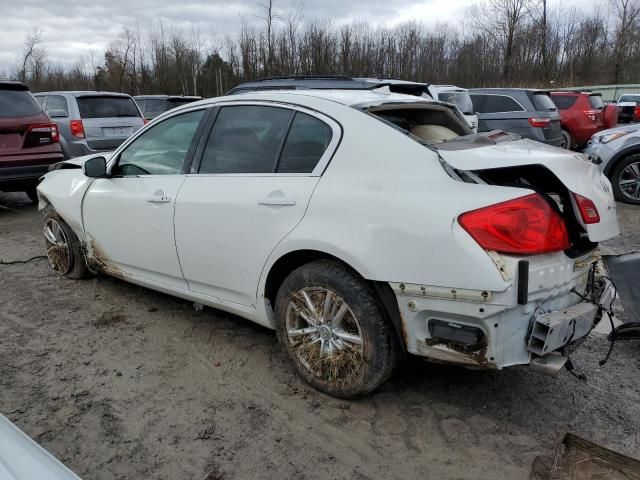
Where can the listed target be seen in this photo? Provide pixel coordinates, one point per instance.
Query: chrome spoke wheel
(325, 334)
(629, 181)
(58, 249)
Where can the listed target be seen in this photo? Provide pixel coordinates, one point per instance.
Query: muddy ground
(121, 382)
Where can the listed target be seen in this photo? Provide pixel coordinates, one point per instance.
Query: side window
(245, 139)
(162, 149)
(57, 104)
(142, 104)
(500, 104)
(477, 101)
(306, 141)
(41, 100)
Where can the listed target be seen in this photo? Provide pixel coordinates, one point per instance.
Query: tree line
(496, 43)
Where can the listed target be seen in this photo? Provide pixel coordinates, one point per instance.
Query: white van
(459, 97)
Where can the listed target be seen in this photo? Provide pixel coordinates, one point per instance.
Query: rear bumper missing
(489, 330)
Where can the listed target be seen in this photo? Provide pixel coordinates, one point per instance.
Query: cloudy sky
(71, 29)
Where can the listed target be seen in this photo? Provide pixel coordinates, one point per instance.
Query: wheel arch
(294, 259)
(619, 156)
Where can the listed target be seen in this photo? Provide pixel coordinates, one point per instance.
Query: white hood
(574, 170)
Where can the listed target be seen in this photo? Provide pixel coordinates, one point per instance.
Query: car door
(128, 217)
(503, 112)
(257, 171)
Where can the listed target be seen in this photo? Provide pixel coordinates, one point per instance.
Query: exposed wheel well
(611, 166)
(289, 262)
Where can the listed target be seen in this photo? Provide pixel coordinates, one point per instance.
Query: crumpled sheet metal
(625, 273)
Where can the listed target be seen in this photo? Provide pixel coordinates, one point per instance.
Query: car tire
(64, 249)
(351, 350)
(32, 193)
(567, 140)
(625, 170)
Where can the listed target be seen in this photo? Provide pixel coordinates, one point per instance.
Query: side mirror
(57, 113)
(95, 167)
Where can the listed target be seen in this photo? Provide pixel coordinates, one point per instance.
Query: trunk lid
(574, 170)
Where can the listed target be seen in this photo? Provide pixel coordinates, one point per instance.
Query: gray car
(529, 113)
(154, 105)
(617, 151)
(91, 122)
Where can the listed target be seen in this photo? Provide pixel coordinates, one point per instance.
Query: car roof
(512, 90)
(84, 93)
(11, 85)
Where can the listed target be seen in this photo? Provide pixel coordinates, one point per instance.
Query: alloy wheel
(58, 250)
(629, 181)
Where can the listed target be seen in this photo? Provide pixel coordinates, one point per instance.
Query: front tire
(64, 249)
(625, 180)
(333, 329)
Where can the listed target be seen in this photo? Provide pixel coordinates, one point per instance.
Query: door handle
(279, 201)
(159, 199)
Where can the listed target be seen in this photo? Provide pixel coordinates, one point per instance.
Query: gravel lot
(121, 382)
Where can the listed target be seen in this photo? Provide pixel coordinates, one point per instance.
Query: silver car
(618, 152)
(91, 122)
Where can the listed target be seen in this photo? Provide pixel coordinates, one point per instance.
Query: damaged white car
(358, 224)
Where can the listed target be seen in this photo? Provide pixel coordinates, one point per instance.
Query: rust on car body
(98, 262)
(439, 350)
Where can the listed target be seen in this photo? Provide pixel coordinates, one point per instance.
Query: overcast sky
(71, 29)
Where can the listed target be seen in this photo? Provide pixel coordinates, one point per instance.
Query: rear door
(258, 168)
(128, 217)
(108, 120)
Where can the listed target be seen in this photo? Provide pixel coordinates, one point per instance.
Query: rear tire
(625, 180)
(64, 249)
(567, 140)
(342, 346)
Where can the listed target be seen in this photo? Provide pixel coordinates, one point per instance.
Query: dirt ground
(121, 382)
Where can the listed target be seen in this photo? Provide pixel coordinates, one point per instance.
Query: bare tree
(627, 12)
(33, 50)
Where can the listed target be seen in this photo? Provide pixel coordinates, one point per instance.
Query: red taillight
(539, 122)
(42, 134)
(77, 129)
(591, 114)
(524, 226)
(588, 209)
(636, 111)
(145, 120)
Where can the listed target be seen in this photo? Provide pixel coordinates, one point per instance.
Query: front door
(128, 217)
(258, 170)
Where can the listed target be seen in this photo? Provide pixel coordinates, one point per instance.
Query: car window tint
(630, 98)
(542, 102)
(245, 139)
(41, 100)
(18, 103)
(564, 101)
(596, 102)
(107, 106)
(162, 149)
(306, 142)
(57, 102)
(476, 100)
(500, 104)
(156, 105)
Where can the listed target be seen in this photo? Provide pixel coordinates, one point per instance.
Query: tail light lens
(588, 209)
(77, 128)
(524, 226)
(636, 111)
(591, 114)
(538, 122)
(41, 134)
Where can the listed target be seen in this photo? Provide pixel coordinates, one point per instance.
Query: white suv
(357, 224)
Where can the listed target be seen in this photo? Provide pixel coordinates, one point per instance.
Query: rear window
(564, 101)
(462, 100)
(18, 103)
(542, 102)
(104, 107)
(596, 102)
(630, 98)
(500, 104)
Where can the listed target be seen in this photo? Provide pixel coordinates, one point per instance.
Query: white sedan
(359, 225)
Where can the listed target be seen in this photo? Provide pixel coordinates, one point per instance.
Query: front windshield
(462, 100)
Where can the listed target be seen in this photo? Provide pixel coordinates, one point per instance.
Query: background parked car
(618, 150)
(28, 140)
(582, 114)
(629, 108)
(528, 112)
(154, 105)
(91, 122)
(459, 97)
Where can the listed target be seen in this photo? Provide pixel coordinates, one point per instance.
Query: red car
(581, 115)
(28, 140)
